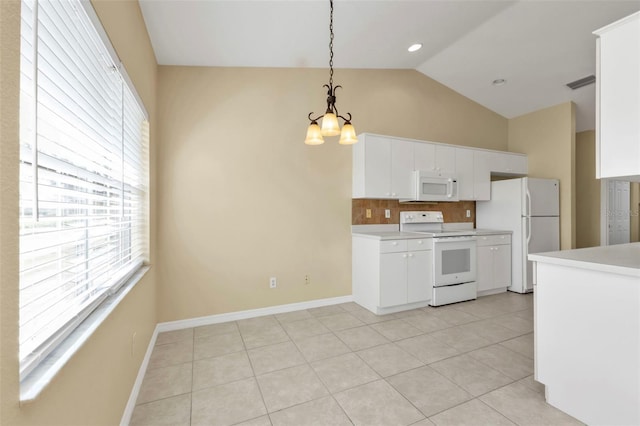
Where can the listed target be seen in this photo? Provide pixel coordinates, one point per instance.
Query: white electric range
(454, 256)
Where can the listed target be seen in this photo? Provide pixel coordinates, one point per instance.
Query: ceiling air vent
(582, 82)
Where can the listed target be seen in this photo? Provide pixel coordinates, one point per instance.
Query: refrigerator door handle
(528, 209)
(528, 219)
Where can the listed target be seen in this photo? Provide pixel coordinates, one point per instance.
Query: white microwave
(429, 186)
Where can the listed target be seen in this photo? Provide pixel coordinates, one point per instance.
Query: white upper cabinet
(382, 167)
(481, 175)
(437, 158)
(445, 159)
(618, 100)
(401, 168)
(464, 165)
(425, 157)
(508, 164)
(372, 167)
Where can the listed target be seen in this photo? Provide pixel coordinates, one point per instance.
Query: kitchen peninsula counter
(587, 331)
(618, 259)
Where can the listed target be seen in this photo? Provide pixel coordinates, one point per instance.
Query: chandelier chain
(331, 44)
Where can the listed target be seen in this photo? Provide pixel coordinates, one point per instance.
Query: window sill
(42, 375)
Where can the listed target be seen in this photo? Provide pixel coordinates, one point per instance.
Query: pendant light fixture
(330, 124)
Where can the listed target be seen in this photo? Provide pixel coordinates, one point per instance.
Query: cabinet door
(506, 164)
(618, 126)
(464, 167)
(401, 168)
(497, 162)
(517, 164)
(445, 159)
(484, 268)
(393, 279)
(419, 280)
(502, 266)
(377, 179)
(424, 156)
(481, 176)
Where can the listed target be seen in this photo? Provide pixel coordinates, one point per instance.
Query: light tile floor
(465, 364)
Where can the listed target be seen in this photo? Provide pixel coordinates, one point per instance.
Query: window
(83, 174)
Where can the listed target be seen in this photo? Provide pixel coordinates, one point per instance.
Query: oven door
(454, 260)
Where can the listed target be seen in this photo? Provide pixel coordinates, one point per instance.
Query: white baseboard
(215, 319)
(251, 313)
(131, 404)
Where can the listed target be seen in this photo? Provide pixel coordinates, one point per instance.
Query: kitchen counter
(618, 259)
(587, 331)
(397, 235)
(390, 235)
(482, 231)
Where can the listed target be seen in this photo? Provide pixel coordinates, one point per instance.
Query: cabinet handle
(395, 243)
(404, 255)
(410, 254)
(419, 241)
(393, 194)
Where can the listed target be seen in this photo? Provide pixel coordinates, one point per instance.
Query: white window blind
(83, 174)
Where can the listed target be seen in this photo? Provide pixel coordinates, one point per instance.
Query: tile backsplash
(452, 212)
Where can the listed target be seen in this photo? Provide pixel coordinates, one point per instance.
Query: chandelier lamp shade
(330, 119)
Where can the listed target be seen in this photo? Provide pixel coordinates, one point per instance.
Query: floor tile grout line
(492, 318)
(496, 410)
(342, 409)
(254, 377)
(163, 398)
(357, 350)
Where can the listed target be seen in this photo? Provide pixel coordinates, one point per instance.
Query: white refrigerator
(531, 209)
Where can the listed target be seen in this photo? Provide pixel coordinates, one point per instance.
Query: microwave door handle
(449, 188)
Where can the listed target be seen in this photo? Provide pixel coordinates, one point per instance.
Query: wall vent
(582, 82)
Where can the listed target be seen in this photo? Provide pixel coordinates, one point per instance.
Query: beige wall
(231, 143)
(548, 138)
(93, 388)
(587, 191)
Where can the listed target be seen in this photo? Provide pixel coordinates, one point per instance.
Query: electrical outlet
(368, 213)
(468, 213)
(307, 280)
(272, 282)
(387, 213)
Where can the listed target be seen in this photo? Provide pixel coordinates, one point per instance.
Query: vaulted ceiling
(537, 46)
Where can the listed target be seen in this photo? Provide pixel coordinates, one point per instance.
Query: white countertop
(618, 259)
(390, 235)
(481, 231)
(397, 235)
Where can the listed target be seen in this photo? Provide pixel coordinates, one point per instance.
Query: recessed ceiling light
(499, 82)
(414, 47)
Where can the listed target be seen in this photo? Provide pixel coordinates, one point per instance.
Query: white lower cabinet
(419, 281)
(493, 272)
(391, 275)
(393, 279)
